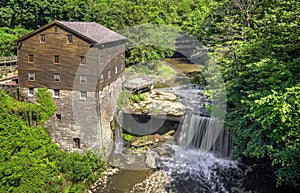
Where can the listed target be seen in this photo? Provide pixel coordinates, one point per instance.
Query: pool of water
(197, 172)
(125, 180)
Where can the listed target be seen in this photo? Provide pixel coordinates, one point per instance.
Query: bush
(31, 162)
(138, 97)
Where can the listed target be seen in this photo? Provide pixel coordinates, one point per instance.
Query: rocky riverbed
(157, 102)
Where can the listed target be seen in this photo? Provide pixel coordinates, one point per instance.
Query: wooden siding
(69, 67)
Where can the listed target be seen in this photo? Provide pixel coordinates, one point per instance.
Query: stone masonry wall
(84, 122)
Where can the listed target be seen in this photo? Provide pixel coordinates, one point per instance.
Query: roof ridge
(92, 31)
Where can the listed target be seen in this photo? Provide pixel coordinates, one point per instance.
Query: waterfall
(118, 134)
(205, 133)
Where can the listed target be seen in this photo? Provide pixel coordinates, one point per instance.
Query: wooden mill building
(81, 63)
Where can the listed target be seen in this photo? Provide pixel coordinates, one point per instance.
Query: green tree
(256, 45)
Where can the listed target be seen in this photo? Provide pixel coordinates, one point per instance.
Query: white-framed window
(56, 77)
(116, 69)
(69, 39)
(101, 78)
(83, 95)
(30, 91)
(56, 93)
(42, 38)
(108, 74)
(31, 76)
(83, 79)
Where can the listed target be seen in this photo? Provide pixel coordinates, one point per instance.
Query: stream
(198, 159)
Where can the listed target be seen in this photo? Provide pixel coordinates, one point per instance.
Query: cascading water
(118, 134)
(197, 164)
(205, 133)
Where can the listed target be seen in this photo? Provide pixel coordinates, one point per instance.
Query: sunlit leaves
(30, 161)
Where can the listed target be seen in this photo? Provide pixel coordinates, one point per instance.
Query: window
(69, 39)
(30, 58)
(30, 91)
(56, 78)
(101, 78)
(56, 59)
(31, 76)
(58, 116)
(83, 95)
(83, 79)
(108, 74)
(42, 38)
(55, 29)
(101, 60)
(116, 70)
(76, 143)
(56, 93)
(82, 60)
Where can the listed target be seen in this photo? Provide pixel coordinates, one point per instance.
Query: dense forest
(255, 43)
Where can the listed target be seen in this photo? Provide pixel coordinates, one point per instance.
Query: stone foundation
(80, 124)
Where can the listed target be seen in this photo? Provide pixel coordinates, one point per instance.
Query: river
(188, 164)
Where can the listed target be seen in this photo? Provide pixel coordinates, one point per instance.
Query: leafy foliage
(256, 45)
(47, 105)
(137, 97)
(8, 36)
(31, 162)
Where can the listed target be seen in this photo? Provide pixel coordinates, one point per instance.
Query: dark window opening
(56, 92)
(58, 116)
(69, 39)
(30, 91)
(56, 59)
(30, 58)
(42, 38)
(76, 143)
(31, 76)
(101, 60)
(82, 60)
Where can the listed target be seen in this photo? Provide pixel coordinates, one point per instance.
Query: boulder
(150, 159)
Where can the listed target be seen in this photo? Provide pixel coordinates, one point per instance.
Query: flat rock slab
(138, 83)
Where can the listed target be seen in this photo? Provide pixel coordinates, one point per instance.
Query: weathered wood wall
(100, 59)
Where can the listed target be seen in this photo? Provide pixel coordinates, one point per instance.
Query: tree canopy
(255, 43)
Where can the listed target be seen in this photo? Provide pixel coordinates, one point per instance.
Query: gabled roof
(90, 31)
